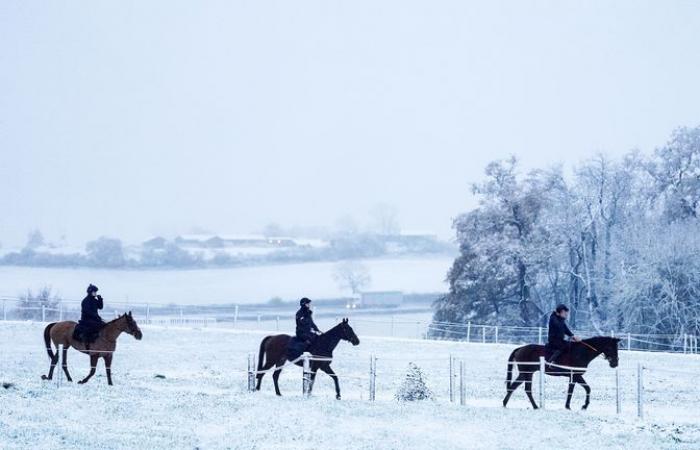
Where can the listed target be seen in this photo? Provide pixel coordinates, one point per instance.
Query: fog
(135, 118)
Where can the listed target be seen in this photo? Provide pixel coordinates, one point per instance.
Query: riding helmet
(562, 307)
(92, 288)
(304, 301)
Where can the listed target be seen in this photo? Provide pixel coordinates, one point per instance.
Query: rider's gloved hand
(575, 338)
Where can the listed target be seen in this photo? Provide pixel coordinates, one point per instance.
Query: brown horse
(273, 349)
(61, 333)
(580, 355)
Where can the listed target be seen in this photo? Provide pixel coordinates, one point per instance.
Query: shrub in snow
(414, 387)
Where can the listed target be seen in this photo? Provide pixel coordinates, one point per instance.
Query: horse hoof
(81, 382)
(584, 407)
(337, 397)
(44, 377)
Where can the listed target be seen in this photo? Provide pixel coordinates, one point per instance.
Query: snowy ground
(232, 285)
(202, 403)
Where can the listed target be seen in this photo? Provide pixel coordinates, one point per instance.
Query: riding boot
(553, 358)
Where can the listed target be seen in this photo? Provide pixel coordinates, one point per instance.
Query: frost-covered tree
(414, 386)
(616, 240)
(105, 252)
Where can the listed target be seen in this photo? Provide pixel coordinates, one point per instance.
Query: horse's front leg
(108, 367)
(327, 368)
(93, 367)
(569, 393)
(313, 378)
(579, 379)
(276, 377)
(64, 364)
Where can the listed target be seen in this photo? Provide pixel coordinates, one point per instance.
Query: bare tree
(352, 275)
(386, 219)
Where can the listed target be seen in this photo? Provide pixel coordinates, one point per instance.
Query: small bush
(414, 386)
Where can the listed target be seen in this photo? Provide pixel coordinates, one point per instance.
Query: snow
(229, 285)
(202, 402)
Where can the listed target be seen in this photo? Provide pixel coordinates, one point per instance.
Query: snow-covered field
(232, 285)
(202, 402)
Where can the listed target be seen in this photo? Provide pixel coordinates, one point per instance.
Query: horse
(61, 333)
(579, 356)
(273, 349)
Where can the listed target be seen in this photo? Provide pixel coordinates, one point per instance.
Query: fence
(456, 381)
(235, 316)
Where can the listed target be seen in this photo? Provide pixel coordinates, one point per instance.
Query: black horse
(273, 350)
(581, 354)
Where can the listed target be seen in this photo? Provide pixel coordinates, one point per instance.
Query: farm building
(380, 299)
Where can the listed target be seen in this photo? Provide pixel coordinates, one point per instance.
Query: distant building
(380, 299)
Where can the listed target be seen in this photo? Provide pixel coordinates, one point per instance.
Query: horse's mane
(121, 316)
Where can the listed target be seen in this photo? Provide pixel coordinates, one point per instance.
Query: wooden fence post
(452, 380)
(640, 391)
(251, 372)
(462, 387)
(306, 384)
(542, 376)
(618, 398)
(372, 377)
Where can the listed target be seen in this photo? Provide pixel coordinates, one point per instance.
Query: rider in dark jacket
(558, 330)
(90, 322)
(306, 328)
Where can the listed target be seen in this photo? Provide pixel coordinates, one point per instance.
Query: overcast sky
(130, 118)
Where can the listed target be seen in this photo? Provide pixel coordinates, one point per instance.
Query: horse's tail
(509, 373)
(261, 352)
(47, 339)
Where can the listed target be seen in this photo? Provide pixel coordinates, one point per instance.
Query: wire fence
(382, 325)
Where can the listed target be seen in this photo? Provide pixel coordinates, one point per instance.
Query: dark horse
(273, 349)
(580, 355)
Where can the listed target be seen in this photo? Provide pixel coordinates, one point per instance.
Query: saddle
(295, 348)
(84, 335)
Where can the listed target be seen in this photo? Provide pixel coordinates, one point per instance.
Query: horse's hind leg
(64, 363)
(93, 367)
(327, 368)
(528, 390)
(276, 377)
(261, 374)
(54, 360)
(579, 379)
(513, 386)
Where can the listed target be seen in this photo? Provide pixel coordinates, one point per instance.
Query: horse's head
(132, 327)
(609, 349)
(347, 333)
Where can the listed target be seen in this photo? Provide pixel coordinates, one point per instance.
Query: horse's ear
(345, 320)
(129, 313)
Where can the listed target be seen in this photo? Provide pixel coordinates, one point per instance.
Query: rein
(589, 346)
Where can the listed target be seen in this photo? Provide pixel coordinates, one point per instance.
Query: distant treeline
(107, 252)
(618, 241)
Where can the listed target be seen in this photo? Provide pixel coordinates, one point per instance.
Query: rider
(90, 322)
(306, 328)
(556, 344)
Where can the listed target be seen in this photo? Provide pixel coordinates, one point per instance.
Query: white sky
(129, 118)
